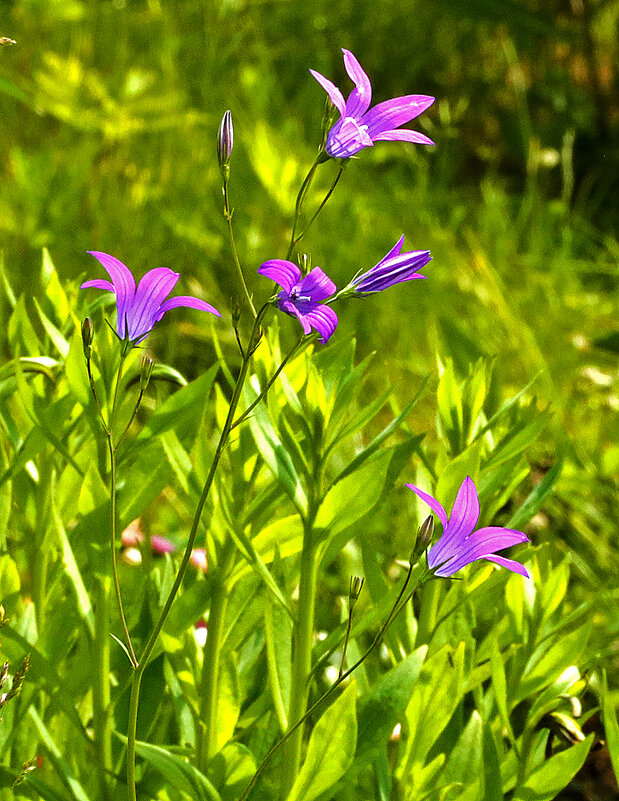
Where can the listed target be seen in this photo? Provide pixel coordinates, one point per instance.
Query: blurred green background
(108, 118)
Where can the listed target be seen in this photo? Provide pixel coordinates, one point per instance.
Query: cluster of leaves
(491, 663)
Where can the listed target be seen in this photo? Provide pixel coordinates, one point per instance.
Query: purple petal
(510, 564)
(432, 503)
(395, 112)
(337, 98)
(403, 135)
(347, 138)
(323, 319)
(395, 251)
(290, 308)
(124, 286)
(98, 283)
(283, 272)
(153, 289)
(316, 285)
(462, 520)
(479, 545)
(186, 300)
(360, 98)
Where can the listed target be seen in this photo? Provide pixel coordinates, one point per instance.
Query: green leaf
(55, 755)
(554, 774)
(550, 660)
(465, 464)
(228, 699)
(331, 748)
(385, 705)
(9, 577)
(611, 727)
(60, 343)
(464, 763)
(75, 370)
(275, 456)
(179, 773)
(536, 498)
(278, 632)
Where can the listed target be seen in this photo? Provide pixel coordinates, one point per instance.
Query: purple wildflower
(161, 544)
(300, 297)
(394, 268)
(357, 127)
(139, 309)
(459, 544)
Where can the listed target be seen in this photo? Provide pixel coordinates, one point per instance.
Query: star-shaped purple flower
(357, 127)
(139, 309)
(301, 297)
(459, 544)
(394, 268)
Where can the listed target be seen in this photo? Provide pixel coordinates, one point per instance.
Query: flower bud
(225, 142)
(87, 337)
(356, 585)
(236, 315)
(329, 116)
(146, 372)
(305, 263)
(423, 538)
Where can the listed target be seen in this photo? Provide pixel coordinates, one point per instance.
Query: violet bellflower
(359, 127)
(394, 268)
(301, 297)
(139, 309)
(459, 545)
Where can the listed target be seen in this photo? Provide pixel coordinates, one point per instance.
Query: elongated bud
(87, 336)
(356, 585)
(146, 372)
(225, 142)
(305, 263)
(328, 119)
(236, 315)
(423, 538)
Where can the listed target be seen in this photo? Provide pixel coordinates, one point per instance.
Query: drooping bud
(424, 536)
(87, 337)
(146, 372)
(356, 585)
(225, 142)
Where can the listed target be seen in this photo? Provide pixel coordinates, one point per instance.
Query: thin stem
(131, 419)
(94, 394)
(113, 515)
(300, 236)
(395, 610)
(307, 182)
(346, 638)
(101, 686)
(148, 648)
(206, 740)
(302, 659)
(270, 383)
(235, 255)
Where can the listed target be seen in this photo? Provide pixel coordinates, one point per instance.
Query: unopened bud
(424, 536)
(236, 315)
(329, 116)
(356, 585)
(87, 336)
(225, 142)
(305, 263)
(146, 372)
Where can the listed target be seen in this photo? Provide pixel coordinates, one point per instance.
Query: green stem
(148, 649)
(270, 383)
(206, 745)
(302, 659)
(235, 255)
(101, 687)
(307, 182)
(300, 236)
(395, 611)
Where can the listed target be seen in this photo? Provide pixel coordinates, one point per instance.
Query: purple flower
(394, 268)
(139, 309)
(357, 127)
(161, 544)
(459, 544)
(300, 297)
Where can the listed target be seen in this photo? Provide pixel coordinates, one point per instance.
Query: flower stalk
(254, 341)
